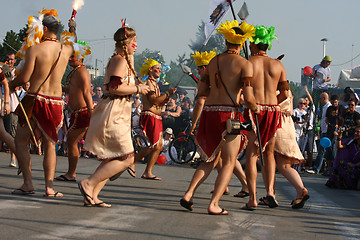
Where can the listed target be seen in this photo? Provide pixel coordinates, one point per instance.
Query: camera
(295, 118)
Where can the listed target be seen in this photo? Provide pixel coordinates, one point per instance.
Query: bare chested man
(269, 76)
(47, 113)
(81, 104)
(220, 84)
(150, 119)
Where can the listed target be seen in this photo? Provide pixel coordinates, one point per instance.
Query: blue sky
(169, 25)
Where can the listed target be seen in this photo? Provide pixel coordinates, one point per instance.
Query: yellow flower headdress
(34, 35)
(149, 63)
(230, 34)
(203, 59)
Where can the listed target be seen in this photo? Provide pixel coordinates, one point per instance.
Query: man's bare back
(234, 69)
(268, 73)
(41, 58)
(79, 89)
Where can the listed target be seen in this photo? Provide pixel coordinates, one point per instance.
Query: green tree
(11, 43)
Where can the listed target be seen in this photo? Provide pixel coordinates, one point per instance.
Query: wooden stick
(27, 120)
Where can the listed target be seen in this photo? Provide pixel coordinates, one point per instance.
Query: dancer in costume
(220, 84)
(109, 134)
(269, 75)
(150, 118)
(201, 61)
(44, 63)
(287, 153)
(78, 86)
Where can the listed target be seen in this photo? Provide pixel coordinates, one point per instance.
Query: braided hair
(122, 37)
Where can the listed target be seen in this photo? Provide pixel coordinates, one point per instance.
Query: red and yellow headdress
(231, 36)
(34, 34)
(203, 59)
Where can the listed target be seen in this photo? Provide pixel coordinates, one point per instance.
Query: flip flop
(65, 179)
(242, 194)
(247, 208)
(116, 176)
(301, 203)
(131, 172)
(186, 204)
(219, 213)
(20, 191)
(84, 194)
(263, 201)
(56, 195)
(152, 178)
(102, 204)
(272, 202)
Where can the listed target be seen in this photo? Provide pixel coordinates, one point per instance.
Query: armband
(205, 79)
(137, 89)
(283, 86)
(114, 82)
(2, 76)
(246, 83)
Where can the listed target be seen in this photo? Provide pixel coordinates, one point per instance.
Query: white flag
(217, 10)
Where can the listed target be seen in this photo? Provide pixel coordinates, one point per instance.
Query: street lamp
(96, 66)
(324, 40)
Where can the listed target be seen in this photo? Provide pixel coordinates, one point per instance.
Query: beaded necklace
(230, 51)
(264, 54)
(154, 84)
(73, 71)
(53, 39)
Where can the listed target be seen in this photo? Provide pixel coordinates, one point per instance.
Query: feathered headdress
(203, 59)
(149, 63)
(264, 35)
(231, 36)
(35, 33)
(81, 49)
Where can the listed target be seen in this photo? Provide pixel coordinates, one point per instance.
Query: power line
(346, 62)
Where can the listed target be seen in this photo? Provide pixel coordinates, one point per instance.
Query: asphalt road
(146, 209)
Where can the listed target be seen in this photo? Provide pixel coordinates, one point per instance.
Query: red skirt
(269, 121)
(212, 129)
(48, 115)
(79, 119)
(152, 126)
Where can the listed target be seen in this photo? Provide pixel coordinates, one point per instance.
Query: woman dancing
(109, 133)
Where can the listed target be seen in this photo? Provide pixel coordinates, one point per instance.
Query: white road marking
(107, 222)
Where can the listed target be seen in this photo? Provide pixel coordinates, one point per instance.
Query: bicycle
(139, 141)
(185, 147)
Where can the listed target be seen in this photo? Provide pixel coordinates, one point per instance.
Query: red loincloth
(212, 129)
(152, 126)
(269, 121)
(48, 115)
(79, 119)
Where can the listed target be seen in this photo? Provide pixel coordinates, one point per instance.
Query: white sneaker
(310, 171)
(13, 163)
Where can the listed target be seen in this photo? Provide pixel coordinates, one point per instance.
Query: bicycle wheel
(139, 142)
(185, 149)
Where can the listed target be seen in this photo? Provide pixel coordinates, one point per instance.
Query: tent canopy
(349, 77)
